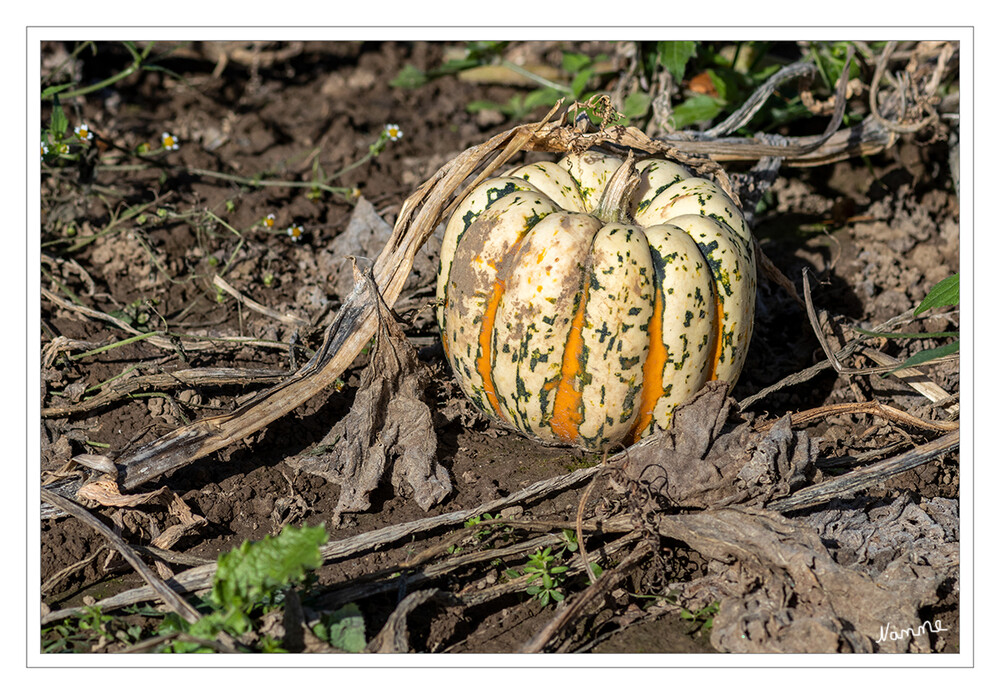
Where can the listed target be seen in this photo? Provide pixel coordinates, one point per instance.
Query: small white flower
(63, 148)
(269, 221)
(83, 132)
(45, 150)
(393, 132)
(169, 141)
(295, 232)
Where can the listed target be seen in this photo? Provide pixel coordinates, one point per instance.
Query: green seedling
(703, 617)
(343, 629)
(83, 634)
(570, 543)
(248, 580)
(482, 533)
(545, 576)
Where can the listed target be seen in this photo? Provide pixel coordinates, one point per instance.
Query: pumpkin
(581, 301)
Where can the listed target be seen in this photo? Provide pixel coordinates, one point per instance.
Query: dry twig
(286, 318)
(857, 480)
(874, 408)
(162, 590)
(182, 378)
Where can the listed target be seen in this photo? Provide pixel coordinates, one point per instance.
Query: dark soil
(875, 235)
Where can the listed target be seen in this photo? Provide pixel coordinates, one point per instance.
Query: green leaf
(674, 56)
(579, 83)
(944, 293)
(696, 109)
(574, 62)
(721, 88)
(55, 89)
(58, 124)
(925, 355)
(409, 77)
(541, 97)
(343, 628)
(636, 105)
(483, 51)
(478, 105)
(455, 65)
(255, 570)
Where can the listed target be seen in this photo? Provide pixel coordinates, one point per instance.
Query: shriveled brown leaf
(784, 593)
(365, 236)
(698, 463)
(389, 425)
(189, 520)
(105, 492)
(780, 589)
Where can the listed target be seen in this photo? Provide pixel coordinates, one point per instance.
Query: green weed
(249, 580)
(703, 617)
(546, 576)
(343, 629)
(83, 634)
(943, 294)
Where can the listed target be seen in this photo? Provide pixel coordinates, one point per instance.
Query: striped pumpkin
(581, 301)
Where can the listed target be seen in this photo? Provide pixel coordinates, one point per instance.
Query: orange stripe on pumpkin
(717, 347)
(567, 409)
(484, 362)
(652, 371)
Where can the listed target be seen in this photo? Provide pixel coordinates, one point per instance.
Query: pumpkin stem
(617, 196)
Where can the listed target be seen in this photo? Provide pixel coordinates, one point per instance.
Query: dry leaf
(389, 425)
(780, 589)
(105, 492)
(697, 463)
(365, 236)
(784, 593)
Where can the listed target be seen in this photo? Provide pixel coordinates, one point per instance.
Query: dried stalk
(857, 480)
(872, 408)
(914, 378)
(183, 378)
(286, 318)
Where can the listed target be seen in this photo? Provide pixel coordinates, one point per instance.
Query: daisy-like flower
(268, 221)
(82, 131)
(393, 132)
(63, 148)
(169, 141)
(45, 150)
(295, 231)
